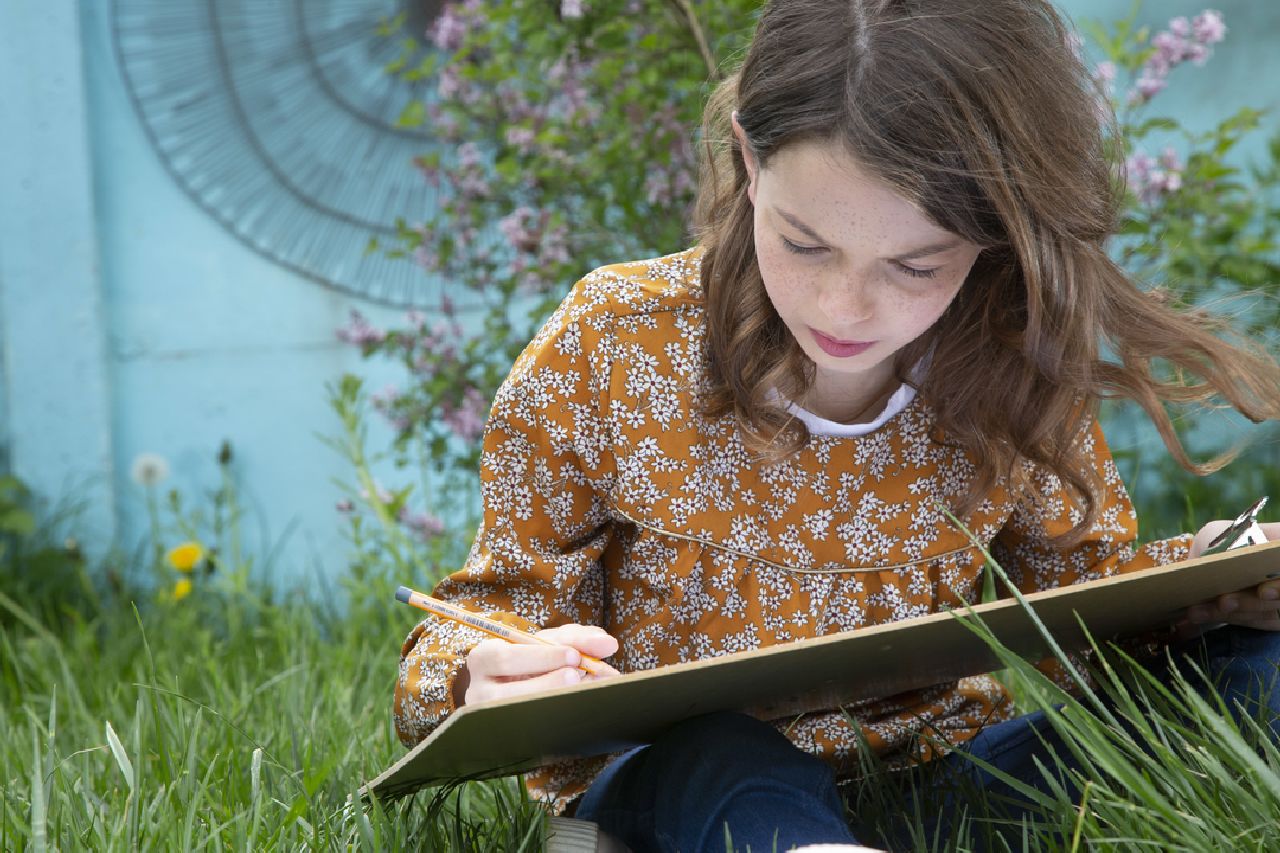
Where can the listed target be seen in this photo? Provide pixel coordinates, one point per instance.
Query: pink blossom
(474, 184)
(521, 138)
(468, 155)
(1209, 28)
(427, 170)
(426, 258)
(657, 187)
(448, 30)
(1170, 50)
(360, 332)
(684, 182)
(1181, 42)
(1150, 180)
(520, 229)
(1105, 71)
(424, 525)
(555, 246)
(467, 420)
(1149, 87)
(386, 398)
(571, 9)
(450, 83)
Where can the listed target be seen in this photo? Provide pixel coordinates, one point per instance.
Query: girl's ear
(748, 158)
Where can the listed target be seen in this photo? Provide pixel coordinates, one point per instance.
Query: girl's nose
(846, 301)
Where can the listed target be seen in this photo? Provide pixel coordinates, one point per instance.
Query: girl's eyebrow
(922, 252)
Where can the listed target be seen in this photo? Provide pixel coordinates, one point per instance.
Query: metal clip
(1243, 531)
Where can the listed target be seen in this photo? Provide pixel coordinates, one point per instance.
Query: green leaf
(17, 521)
(122, 757)
(414, 114)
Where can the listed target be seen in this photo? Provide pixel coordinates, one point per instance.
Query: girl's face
(854, 270)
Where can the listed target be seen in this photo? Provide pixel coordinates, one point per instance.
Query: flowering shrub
(1192, 225)
(567, 140)
(1195, 227)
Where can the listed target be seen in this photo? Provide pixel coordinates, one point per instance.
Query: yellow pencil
(505, 632)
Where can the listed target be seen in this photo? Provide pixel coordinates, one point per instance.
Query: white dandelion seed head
(149, 469)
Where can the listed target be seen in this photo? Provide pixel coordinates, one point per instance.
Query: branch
(685, 8)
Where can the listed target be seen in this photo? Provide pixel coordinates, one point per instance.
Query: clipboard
(506, 736)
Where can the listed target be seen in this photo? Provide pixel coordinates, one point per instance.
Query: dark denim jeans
(727, 770)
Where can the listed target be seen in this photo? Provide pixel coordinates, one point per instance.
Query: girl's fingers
(487, 689)
(588, 639)
(499, 659)
(1248, 610)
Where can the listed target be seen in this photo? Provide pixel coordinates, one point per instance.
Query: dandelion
(181, 589)
(186, 556)
(149, 469)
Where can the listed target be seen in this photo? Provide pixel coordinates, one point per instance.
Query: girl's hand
(1253, 607)
(496, 669)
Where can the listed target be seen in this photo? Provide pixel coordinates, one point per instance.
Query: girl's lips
(840, 349)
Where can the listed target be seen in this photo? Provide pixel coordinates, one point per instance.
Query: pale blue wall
(56, 380)
(133, 322)
(130, 321)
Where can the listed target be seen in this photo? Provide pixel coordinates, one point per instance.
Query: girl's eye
(915, 273)
(801, 250)
(813, 250)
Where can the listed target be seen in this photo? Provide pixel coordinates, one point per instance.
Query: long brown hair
(982, 114)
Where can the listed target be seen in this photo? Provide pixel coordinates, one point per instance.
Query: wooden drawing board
(502, 737)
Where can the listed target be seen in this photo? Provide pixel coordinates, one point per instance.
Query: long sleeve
(1024, 549)
(546, 470)
(1023, 546)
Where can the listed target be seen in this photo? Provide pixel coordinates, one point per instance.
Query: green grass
(236, 723)
(171, 732)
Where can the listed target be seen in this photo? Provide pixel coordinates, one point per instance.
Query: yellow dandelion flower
(181, 589)
(186, 556)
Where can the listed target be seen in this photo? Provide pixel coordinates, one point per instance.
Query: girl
(899, 300)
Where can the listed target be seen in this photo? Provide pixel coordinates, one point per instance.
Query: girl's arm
(1025, 546)
(546, 469)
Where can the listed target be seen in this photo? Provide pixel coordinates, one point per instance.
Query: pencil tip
(402, 594)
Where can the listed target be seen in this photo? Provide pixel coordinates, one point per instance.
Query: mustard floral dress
(610, 500)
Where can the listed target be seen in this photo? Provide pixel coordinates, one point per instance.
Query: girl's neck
(850, 399)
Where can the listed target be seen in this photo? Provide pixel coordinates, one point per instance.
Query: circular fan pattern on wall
(279, 118)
